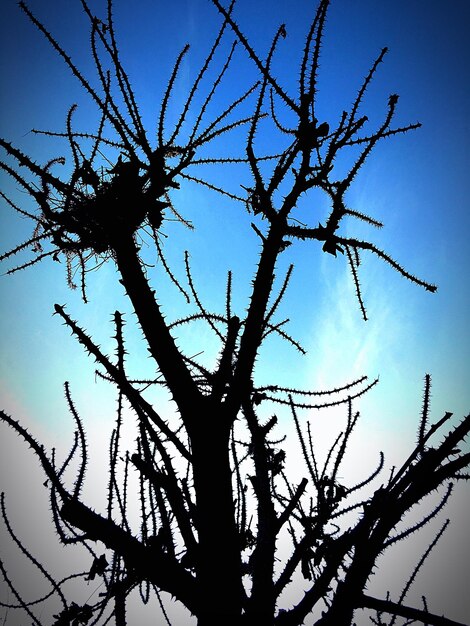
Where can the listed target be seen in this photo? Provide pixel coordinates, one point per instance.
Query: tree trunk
(219, 584)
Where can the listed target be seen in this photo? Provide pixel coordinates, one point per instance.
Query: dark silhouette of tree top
(214, 495)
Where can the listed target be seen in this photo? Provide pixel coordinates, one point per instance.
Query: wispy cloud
(345, 345)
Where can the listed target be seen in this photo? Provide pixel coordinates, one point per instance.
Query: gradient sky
(416, 184)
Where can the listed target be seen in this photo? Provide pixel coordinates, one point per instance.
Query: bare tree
(213, 491)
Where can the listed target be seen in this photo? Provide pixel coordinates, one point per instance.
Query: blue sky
(416, 184)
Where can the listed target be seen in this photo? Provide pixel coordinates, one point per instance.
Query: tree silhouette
(214, 494)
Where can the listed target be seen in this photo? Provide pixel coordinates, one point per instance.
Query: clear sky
(416, 184)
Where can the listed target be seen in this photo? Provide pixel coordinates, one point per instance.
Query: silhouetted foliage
(214, 494)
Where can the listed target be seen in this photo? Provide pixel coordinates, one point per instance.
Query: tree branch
(387, 606)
